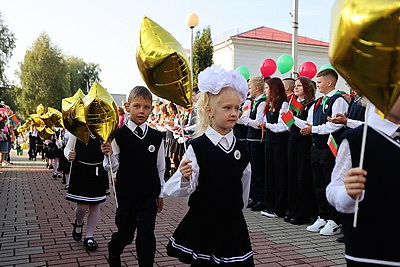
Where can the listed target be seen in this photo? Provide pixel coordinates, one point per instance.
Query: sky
(106, 32)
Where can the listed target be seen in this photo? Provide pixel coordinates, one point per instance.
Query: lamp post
(192, 20)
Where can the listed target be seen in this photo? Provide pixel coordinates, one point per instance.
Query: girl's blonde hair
(205, 106)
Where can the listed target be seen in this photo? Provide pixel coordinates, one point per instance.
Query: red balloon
(308, 69)
(268, 67)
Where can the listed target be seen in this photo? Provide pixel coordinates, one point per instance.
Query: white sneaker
(5, 164)
(331, 228)
(317, 225)
(269, 214)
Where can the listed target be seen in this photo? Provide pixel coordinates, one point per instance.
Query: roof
(265, 33)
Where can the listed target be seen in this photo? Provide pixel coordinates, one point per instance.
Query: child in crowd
(301, 200)
(87, 186)
(137, 154)
(372, 242)
(255, 143)
(215, 169)
(322, 159)
(276, 139)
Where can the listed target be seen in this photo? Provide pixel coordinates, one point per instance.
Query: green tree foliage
(202, 52)
(44, 77)
(7, 45)
(82, 75)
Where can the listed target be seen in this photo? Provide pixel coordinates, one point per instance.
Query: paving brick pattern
(36, 228)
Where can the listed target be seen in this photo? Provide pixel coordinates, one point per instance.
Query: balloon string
(112, 181)
(363, 142)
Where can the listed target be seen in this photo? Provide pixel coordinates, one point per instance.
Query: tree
(82, 75)
(202, 52)
(7, 45)
(44, 77)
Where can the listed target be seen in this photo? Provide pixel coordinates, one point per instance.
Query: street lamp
(192, 20)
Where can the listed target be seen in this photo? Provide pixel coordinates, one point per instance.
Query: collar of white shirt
(383, 125)
(215, 137)
(132, 126)
(331, 93)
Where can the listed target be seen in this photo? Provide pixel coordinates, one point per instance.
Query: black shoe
(90, 244)
(50, 167)
(251, 204)
(113, 260)
(77, 236)
(298, 221)
(59, 176)
(287, 219)
(340, 239)
(258, 207)
(54, 175)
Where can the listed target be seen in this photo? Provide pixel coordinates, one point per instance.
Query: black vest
(90, 152)
(319, 117)
(356, 111)
(270, 136)
(375, 237)
(294, 131)
(220, 183)
(137, 175)
(252, 133)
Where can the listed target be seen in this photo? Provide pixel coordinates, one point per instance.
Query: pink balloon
(268, 67)
(308, 69)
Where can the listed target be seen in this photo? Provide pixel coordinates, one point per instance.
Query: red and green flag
(333, 145)
(295, 105)
(288, 118)
(14, 118)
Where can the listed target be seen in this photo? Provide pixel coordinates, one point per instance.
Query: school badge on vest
(237, 154)
(152, 148)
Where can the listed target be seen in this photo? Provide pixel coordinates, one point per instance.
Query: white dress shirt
(116, 150)
(259, 115)
(336, 191)
(339, 106)
(178, 186)
(280, 126)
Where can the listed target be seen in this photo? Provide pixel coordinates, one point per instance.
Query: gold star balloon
(101, 113)
(45, 132)
(73, 116)
(364, 49)
(55, 116)
(40, 109)
(163, 63)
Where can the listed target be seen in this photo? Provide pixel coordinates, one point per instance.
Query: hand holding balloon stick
(364, 37)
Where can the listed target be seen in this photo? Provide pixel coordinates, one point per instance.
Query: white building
(250, 48)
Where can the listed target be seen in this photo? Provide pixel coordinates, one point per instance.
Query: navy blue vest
(356, 111)
(270, 136)
(90, 152)
(294, 132)
(375, 237)
(137, 175)
(319, 117)
(220, 183)
(252, 133)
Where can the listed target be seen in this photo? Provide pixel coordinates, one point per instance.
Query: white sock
(80, 212)
(93, 217)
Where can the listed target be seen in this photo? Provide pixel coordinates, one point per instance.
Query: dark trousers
(276, 177)
(301, 199)
(135, 214)
(322, 163)
(256, 151)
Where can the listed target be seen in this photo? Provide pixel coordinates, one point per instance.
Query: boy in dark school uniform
(137, 153)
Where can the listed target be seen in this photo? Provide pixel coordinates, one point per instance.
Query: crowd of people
(235, 147)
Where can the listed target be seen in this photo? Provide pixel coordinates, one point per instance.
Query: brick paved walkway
(36, 228)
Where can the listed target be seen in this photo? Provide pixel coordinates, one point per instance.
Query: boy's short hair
(328, 72)
(140, 91)
(288, 79)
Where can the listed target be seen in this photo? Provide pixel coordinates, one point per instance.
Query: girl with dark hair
(276, 138)
(301, 200)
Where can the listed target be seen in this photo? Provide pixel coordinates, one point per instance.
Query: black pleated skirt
(212, 238)
(88, 183)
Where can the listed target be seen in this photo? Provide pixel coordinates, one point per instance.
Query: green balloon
(244, 71)
(326, 66)
(284, 63)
